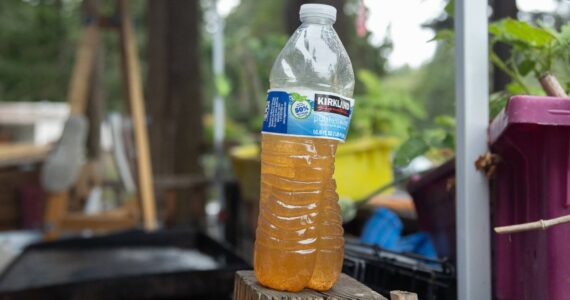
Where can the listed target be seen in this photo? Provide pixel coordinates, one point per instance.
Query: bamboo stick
(537, 225)
(551, 86)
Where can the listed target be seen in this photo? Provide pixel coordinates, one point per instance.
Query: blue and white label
(309, 114)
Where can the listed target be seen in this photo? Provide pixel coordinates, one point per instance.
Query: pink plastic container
(434, 199)
(532, 137)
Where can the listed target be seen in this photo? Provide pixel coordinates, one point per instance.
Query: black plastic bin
(130, 265)
(385, 271)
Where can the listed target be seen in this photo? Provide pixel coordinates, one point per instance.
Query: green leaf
(444, 35)
(514, 88)
(223, 86)
(526, 66)
(521, 33)
(434, 137)
(409, 150)
(564, 35)
(450, 8)
(445, 121)
(448, 141)
(298, 97)
(497, 103)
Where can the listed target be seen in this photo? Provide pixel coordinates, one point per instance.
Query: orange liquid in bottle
(299, 238)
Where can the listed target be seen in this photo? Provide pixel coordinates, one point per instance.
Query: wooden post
(83, 68)
(246, 287)
(56, 208)
(401, 295)
(131, 71)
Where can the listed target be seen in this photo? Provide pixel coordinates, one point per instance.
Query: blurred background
(204, 71)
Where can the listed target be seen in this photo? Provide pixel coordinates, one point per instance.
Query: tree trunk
(174, 95)
(502, 9)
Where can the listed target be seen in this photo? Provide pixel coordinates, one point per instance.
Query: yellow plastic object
(361, 167)
(247, 168)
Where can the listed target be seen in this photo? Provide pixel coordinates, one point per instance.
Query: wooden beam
(134, 91)
(102, 222)
(84, 61)
(246, 287)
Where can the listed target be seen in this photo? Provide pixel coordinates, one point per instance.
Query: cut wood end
(402, 295)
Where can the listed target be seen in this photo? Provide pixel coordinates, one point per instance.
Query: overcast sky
(404, 18)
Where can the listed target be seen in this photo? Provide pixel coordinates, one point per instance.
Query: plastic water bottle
(299, 238)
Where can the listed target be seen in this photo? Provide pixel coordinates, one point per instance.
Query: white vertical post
(472, 115)
(219, 105)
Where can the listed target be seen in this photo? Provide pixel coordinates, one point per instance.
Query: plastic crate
(532, 138)
(384, 271)
(177, 264)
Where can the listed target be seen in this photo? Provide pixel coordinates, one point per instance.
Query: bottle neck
(317, 21)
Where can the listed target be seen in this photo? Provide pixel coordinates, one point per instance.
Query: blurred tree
(502, 9)
(37, 48)
(35, 53)
(253, 41)
(436, 87)
(174, 94)
(174, 85)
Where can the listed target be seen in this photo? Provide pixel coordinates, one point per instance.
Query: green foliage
(252, 41)
(450, 8)
(535, 50)
(411, 148)
(521, 34)
(34, 63)
(38, 40)
(223, 86)
(438, 140)
(435, 87)
(383, 109)
(445, 35)
(497, 102)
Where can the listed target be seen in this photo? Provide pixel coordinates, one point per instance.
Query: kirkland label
(310, 114)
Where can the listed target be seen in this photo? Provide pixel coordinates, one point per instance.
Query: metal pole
(219, 106)
(472, 115)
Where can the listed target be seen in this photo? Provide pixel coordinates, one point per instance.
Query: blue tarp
(384, 229)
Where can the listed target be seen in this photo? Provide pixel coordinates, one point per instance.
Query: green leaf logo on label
(301, 107)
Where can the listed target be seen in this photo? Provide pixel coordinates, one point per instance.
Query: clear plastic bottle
(299, 237)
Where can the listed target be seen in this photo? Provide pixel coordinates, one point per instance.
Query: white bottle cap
(317, 10)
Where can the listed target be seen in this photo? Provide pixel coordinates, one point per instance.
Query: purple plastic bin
(532, 137)
(434, 198)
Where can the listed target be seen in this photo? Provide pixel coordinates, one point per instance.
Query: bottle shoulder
(314, 58)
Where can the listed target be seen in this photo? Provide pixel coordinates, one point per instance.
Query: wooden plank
(83, 68)
(102, 222)
(17, 154)
(131, 72)
(401, 295)
(246, 287)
